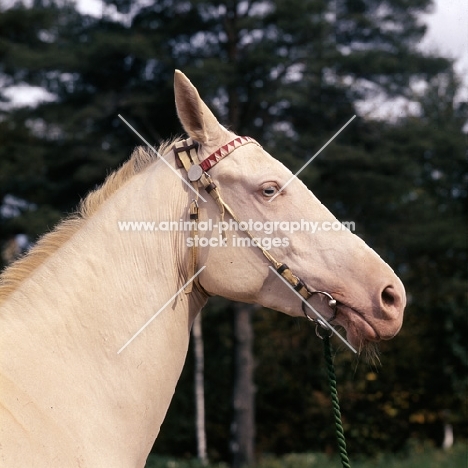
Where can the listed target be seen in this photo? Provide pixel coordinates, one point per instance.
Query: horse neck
(77, 309)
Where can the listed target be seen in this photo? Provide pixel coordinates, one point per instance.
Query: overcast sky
(448, 32)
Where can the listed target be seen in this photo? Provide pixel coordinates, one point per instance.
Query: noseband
(186, 153)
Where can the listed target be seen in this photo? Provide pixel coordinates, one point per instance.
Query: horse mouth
(359, 331)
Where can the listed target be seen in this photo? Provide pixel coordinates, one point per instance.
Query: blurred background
(289, 73)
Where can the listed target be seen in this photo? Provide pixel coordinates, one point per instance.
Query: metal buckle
(194, 173)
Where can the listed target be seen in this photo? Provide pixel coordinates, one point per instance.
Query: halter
(186, 153)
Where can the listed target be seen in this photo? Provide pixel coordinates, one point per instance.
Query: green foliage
(156, 461)
(420, 458)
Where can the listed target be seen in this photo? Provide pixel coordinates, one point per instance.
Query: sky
(448, 32)
(447, 35)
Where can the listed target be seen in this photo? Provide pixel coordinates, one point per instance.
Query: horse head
(271, 203)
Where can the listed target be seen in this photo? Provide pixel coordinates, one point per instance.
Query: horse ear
(198, 121)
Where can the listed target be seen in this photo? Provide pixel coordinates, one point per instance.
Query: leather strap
(186, 156)
(225, 150)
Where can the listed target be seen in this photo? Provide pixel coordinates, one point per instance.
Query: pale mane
(12, 277)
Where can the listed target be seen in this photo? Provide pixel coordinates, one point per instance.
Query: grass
(457, 457)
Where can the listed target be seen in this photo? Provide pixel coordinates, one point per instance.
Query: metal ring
(322, 328)
(332, 303)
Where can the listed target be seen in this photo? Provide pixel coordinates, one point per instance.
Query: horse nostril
(392, 305)
(388, 296)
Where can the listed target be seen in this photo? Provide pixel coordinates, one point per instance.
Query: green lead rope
(335, 401)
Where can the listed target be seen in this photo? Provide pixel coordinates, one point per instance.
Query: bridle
(186, 153)
(197, 172)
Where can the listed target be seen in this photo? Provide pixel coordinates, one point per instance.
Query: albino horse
(68, 398)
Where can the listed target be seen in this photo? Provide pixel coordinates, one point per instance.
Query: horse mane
(16, 273)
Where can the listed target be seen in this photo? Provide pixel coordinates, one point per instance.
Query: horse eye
(269, 191)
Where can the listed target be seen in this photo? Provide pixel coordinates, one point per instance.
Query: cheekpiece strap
(187, 146)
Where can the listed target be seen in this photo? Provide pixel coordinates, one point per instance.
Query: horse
(83, 381)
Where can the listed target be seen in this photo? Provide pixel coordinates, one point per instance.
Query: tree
(436, 247)
(197, 335)
(243, 422)
(416, 170)
(54, 153)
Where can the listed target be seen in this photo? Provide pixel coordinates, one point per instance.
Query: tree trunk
(199, 389)
(242, 441)
(243, 422)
